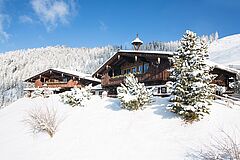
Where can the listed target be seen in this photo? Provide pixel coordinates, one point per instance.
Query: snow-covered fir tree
(190, 72)
(132, 94)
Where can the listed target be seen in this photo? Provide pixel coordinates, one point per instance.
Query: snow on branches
(40, 92)
(191, 88)
(133, 95)
(77, 96)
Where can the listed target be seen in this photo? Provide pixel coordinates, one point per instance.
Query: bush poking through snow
(191, 88)
(41, 92)
(42, 119)
(77, 96)
(223, 148)
(133, 95)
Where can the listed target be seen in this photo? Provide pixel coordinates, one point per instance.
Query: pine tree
(133, 95)
(191, 88)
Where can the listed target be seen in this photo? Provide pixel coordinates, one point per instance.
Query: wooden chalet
(61, 79)
(150, 67)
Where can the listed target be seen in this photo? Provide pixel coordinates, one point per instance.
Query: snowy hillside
(101, 130)
(226, 50)
(15, 66)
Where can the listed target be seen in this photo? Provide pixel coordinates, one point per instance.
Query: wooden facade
(63, 79)
(150, 67)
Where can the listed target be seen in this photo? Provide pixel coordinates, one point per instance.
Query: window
(140, 69)
(164, 90)
(145, 67)
(128, 71)
(134, 70)
(65, 80)
(124, 71)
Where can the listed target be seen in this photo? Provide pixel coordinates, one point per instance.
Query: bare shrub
(227, 147)
(42, 119)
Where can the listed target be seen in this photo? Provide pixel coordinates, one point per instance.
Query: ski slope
(226, 50)
(102, 130)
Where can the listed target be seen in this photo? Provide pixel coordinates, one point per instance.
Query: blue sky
(91, 23)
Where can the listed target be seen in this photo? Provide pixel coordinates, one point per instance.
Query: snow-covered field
(102, 130)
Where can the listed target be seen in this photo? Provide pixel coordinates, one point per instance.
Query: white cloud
(4, 21)
(103, 26)
(25, 19)
(53, 12)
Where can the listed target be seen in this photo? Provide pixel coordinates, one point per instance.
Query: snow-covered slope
(226, 50)
(101, 130)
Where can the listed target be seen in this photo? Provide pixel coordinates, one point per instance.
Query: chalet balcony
(147, 77)
(55, 84)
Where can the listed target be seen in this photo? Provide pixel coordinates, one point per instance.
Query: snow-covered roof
(223, 67)
(137, 40)
(134, 51)
(147, 52)
(76, 73)
(71, 72)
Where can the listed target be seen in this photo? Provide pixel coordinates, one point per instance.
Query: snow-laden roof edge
(150, 52)
(71, 72)
(223, 67)
(137, 40)
(80, 74)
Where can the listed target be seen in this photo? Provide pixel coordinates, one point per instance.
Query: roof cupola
(137, 42)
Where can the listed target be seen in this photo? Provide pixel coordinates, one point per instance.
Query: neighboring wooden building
(61, 79)
(150, 67)
(225, 75)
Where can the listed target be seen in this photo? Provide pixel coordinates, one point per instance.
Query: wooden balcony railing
(147, 77)
(57, 85)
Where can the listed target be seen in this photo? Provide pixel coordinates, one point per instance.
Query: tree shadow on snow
(114, 104)
(160, 106)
